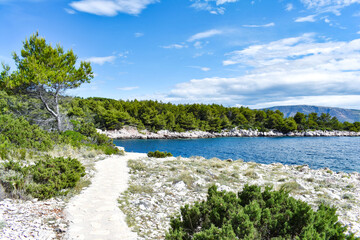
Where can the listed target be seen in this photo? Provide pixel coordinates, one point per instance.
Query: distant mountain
(342, 114)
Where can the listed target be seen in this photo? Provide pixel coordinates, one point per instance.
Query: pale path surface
(95, 213)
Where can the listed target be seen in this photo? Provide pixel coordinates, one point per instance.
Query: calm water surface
(336, 153)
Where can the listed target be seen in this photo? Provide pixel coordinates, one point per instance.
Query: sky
(258, 53)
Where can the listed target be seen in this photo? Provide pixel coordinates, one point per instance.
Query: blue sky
(257, 53)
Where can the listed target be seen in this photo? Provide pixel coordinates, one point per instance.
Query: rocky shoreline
(133, 133)
(159, 187)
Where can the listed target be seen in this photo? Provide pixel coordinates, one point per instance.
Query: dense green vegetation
(158, 154)
(253, 214)
(152, 115)
(49, 177)
(17, 134)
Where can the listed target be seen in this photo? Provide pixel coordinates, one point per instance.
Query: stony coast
(40, 220)
(133, 133)
(159, 187)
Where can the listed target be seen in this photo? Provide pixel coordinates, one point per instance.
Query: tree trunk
(56, 111)
(58, 120)
(58, 115)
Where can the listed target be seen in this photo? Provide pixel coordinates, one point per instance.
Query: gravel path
(94, 214)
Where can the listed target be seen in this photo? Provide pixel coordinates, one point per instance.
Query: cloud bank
(206, 34)
(212, 6)
(294, 70)
(328, 3)
(101, 60)
(259, 26)
(111, 7)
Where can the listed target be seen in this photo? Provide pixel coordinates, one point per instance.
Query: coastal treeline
(113, 114)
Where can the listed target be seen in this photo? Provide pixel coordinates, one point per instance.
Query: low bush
(5, 147)
(21, 133)
(49, 177)
(253, 214)
(86, 134)
(158, 154)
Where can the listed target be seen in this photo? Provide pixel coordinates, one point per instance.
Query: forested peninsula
(151, 117)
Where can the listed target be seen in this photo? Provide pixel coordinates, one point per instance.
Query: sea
(336, 153)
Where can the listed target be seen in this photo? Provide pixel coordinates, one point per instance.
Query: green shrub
(21, 133)
(53, 175)
(109, 150)
(73, 138)
(158, 154)
(87, 135)
(47, 178)
(5, 146)
(252, 214)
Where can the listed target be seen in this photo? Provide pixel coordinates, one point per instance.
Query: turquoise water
(336, 153)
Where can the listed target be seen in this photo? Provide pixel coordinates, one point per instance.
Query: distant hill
(342, 114)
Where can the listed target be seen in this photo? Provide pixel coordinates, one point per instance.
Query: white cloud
(323, 6)
(297, 70)
(206, 34)
(200, 44)
(212, 6)
(204, 69)
(101, 60)
(358, 32)
(220, 2)
(327, 3)
(200, 54)
(205, 6)
(111, 7)
(127, 88)
(327, 20)
(259, 26)
(289, 7)
(124, 54)
(175, 46)
(139, 34)
(69, 11)
(310, 18)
